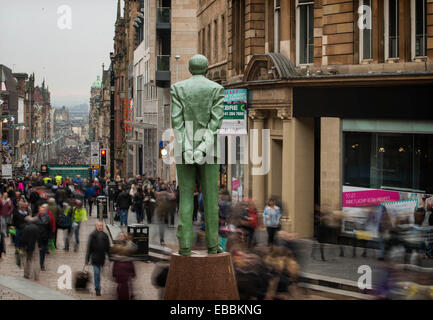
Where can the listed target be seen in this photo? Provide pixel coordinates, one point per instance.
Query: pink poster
(368, 198)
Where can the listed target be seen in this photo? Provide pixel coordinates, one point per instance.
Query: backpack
(63, 221)
(44, 219)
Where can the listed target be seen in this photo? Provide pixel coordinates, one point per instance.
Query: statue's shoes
(215, 250)
(185, 252)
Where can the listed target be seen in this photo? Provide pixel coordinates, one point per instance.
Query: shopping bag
(364, 235)
(52, 246)
(12, 231)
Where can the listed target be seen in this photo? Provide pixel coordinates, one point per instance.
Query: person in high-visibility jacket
(78, 214)
(47, 180)
(59, 179)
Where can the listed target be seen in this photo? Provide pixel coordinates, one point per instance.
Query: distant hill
(81, 108)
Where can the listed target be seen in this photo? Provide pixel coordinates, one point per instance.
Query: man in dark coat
(98, 247)
(29, 244)
(124, 201)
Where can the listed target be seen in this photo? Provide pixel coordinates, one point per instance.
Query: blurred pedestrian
(89, 195)
(124, 202)
(138, 202)
(6, 209)
(18, 223)
(249, 221)
(30, 247)
(46, 223)
(78, 214)
(55, 210)
(98, 247)
(271, 219)
(149, 203)
(2, 245)
(123, 266)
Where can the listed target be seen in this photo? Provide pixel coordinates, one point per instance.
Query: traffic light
(103, 157)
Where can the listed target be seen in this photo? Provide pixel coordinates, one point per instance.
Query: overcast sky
(69, 59)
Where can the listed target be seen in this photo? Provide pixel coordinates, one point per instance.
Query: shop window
(418, 13)
(391, 29)
(304, 29)
(388, 161)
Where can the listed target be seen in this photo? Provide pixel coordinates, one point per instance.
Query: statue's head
(198, 65)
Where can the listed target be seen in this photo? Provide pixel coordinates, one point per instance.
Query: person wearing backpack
(78, 214)
(47, 227)
(90, 195)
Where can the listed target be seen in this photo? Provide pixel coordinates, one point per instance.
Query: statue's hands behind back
(198, 157)
(189, 157)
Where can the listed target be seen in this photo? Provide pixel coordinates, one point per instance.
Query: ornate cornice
(256, 114)
(284, 113)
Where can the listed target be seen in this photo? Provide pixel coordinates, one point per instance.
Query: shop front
(375, 149)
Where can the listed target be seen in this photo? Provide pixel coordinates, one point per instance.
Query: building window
(419, 30)
(203, 36)
(139, 96)
(276, 25)
(388, 161)
(365, 33)
(208, 39)
(238, 36)
(391, 29)
(215, 42)
(304, 28)
(223, 37)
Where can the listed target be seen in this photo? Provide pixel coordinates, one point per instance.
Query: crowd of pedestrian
(34, 208)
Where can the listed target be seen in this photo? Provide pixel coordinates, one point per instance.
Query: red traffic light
(103, 152)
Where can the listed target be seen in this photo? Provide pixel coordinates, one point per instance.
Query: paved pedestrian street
(143, 289)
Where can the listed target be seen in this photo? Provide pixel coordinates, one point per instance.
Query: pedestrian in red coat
(6, 208)
(123, 267)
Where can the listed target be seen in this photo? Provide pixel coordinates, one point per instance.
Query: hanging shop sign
(235, 112)
(7, 171)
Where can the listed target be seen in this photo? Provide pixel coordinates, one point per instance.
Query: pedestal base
(201, 277)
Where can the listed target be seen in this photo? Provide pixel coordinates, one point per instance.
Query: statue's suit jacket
(197, 103)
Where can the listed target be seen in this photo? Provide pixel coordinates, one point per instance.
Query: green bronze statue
(196, 116)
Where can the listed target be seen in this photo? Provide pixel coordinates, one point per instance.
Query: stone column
(298, 175)
(258, 181)
(285, 115)
(331, 164)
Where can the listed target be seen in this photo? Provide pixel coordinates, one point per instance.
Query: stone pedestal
(201, 277)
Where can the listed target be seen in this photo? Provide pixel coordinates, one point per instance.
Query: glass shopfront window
(398, 161)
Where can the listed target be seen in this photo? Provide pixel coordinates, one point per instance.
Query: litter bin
(102, 206)
(140, 237)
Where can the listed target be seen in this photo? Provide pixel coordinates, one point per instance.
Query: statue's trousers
(186, 174)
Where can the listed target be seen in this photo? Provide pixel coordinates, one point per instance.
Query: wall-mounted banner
(368, 197)
(235, 113)
(361, 207)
